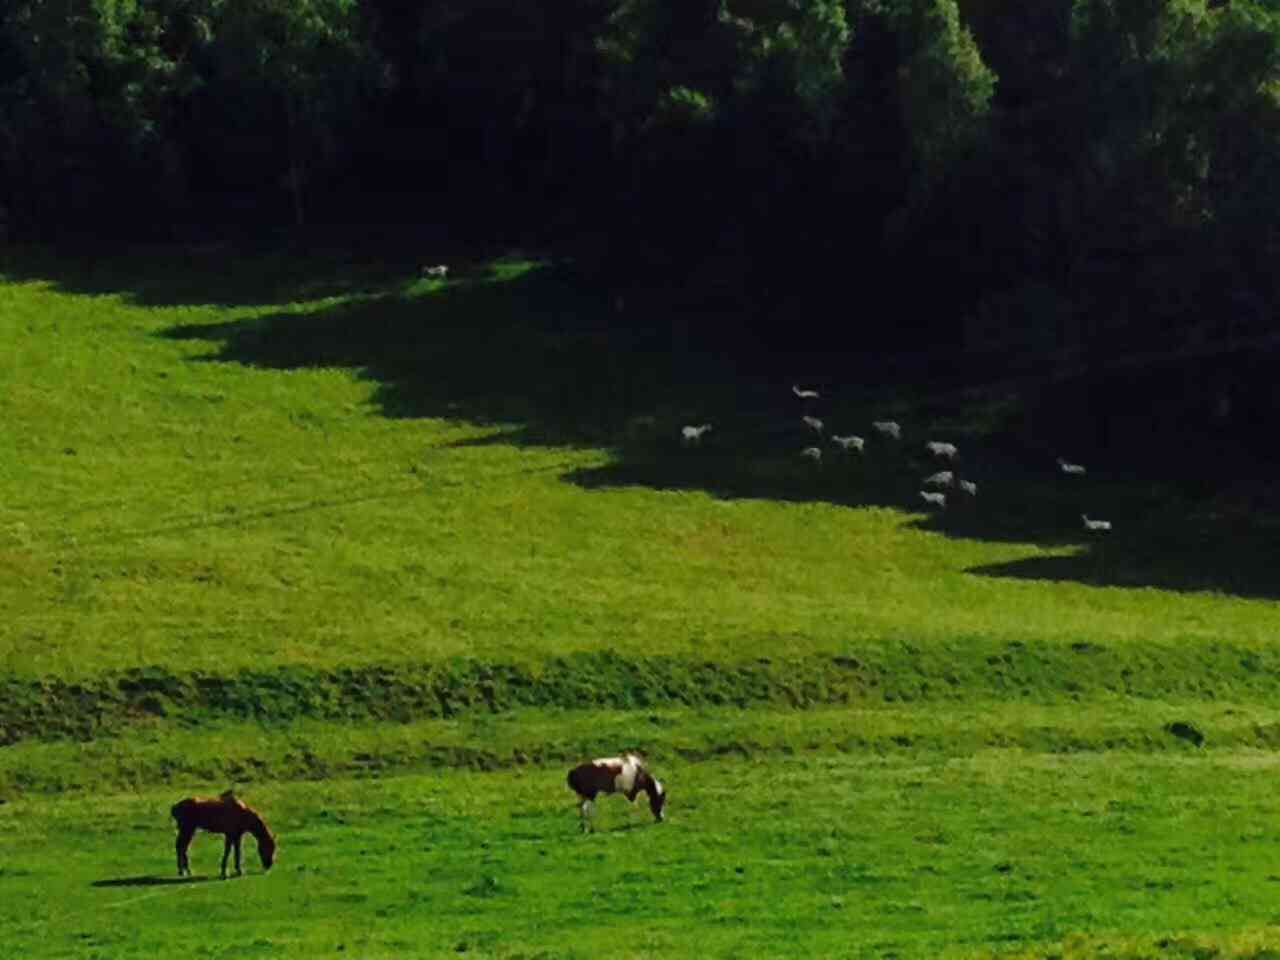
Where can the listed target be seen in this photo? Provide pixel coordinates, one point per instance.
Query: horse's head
(267, 849)
(657, 798)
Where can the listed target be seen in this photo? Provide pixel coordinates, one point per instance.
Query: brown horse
(224, 814)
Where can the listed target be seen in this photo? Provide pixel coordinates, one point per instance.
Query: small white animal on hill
(889, 428)
(849, 443)
(692, 436)
(440, 271)
(813, 423)
(1096, 526)
(943, 478)
(812, 453)
(969, 487)
(1073, 468)
(947, 450)
(804, 394)
(933, 499)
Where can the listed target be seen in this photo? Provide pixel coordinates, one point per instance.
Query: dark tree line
(1067, 177)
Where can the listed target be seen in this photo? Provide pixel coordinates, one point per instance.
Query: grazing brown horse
(625, 775)
(225, 814)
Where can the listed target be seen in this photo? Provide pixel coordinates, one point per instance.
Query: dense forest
(1069, 184)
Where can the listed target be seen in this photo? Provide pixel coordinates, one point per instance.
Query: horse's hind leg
(183, 842)
(226, 852)
(236, 845)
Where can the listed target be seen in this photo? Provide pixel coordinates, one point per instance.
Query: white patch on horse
(625, 780)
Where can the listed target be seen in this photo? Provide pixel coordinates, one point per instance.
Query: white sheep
(804, 394)
(933, 499)
(889, 428)
(969, 487)
(812, 453)
(692, 436)
(1072, 468)
(849, 443)
(440, 271)
(943, 478)
(1096, 526)
(947, 450)
(813, 423)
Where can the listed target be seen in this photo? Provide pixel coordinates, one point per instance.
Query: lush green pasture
(344, 489)
(389, 554)
(807, 856)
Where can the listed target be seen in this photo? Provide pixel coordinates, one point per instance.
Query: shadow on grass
(537, 349)
(148, 881)
(243, 270)
(1200, 561)
(550, 362)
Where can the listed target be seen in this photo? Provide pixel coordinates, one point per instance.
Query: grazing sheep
(947, 450)
(1096, 526)
(943, 478)
(812, 453)
(889, 428)
(440, 271)
(849, 443)
(813, 423)
(934, 499)
(804, 394)
(969, 487)
(692, 436)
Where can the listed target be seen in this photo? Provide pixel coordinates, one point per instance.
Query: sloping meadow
(303, 529)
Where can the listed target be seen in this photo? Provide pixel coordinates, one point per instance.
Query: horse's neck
(256, 825)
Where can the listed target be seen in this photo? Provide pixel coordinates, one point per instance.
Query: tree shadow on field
(550, 360)
(243, 270)
(533, 350)
(149, 881)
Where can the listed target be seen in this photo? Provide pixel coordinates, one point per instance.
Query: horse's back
(216, 814)
(589, 779)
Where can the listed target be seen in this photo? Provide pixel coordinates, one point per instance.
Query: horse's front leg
(236, 845)
(226, 852)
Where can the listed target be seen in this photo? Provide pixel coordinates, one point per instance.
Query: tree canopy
(1061, 172)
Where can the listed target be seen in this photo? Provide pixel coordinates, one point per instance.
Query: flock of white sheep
(936, 483)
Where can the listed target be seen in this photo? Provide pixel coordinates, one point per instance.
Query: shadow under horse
(147, 881)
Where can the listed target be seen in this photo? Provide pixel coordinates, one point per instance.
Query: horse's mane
(257, 826)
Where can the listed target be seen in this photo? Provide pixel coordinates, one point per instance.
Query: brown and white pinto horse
(225, 814)
(625, 774)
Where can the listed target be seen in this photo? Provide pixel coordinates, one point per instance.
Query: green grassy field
(390, 554)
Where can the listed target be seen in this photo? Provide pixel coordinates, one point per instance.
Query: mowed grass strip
(803, 856)
(270, 462)
(966, 669)
(251, 753)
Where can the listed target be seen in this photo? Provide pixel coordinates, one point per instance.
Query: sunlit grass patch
(795, 856)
